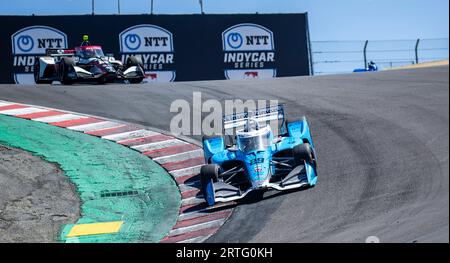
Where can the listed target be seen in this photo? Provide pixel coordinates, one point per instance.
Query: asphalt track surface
(36, 199)
(382, 141)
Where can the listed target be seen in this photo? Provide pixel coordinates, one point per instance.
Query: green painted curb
(114, 182)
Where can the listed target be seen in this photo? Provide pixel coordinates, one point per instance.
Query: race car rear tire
(208, 172)
(134, 61)
(303, 152)
(64, 67)
(36, 70)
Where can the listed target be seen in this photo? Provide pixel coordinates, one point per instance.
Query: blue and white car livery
(256, 159)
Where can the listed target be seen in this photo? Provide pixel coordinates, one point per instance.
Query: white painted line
(193, 214)
(192, 201)
(157, 145)
(22, 111)
(129, 135)
(94, 126)
(186, 171)
(200, 213)
(179, 157)
(183, 230)
(58, 118)
(119, 125)
(4, 103)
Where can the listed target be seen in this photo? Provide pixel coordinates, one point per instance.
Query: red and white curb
(181, 159)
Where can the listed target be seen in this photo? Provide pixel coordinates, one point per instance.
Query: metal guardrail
(331, 57)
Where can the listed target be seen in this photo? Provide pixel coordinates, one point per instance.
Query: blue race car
(256, 159)
(371, 66)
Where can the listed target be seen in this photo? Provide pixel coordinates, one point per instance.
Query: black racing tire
(101, 80)
(134, 61)
(303, 152)
(36, 70)
(135, 80)
(65, 66)
(208, 172)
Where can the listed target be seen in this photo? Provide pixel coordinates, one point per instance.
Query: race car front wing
(301, 176)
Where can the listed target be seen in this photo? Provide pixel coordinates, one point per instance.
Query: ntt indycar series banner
(171, 47)
(249, 52)
(154, 46)
(27, 44)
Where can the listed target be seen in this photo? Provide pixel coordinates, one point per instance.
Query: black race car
(85, 63)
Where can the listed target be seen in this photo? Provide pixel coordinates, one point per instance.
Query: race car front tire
(135, 80)
(36, 71)
(303, 152)
(64, 67)
(209, 173)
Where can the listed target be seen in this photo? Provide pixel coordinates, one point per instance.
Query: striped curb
(181, 159)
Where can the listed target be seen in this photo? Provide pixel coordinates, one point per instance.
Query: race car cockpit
(253, 137)
(86, 52)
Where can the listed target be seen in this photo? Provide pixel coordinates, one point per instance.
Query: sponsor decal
(249, 52)
(29, 43)
(154, 46)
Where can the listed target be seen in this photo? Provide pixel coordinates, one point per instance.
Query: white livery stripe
(22, 111)
(157, 145)
(186, 171)
(182, 230)
(58, 118)
(129, 135)
(94, 126)
(179, 157)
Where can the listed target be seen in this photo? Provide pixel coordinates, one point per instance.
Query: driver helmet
(85, 41)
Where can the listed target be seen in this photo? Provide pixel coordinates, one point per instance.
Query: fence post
(365, 53)
(416, 50)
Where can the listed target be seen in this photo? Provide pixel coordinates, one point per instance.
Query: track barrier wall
(172, 47)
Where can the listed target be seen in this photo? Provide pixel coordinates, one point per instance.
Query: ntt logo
(234, 40)
(132, 41)
(36, 39)
(154, 46)
(25, 43)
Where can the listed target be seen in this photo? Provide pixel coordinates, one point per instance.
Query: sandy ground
(36, 200)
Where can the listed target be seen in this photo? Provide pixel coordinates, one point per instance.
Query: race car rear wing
(58, 52)
(263, 116)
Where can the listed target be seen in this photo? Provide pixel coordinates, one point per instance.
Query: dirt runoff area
(36, 198)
